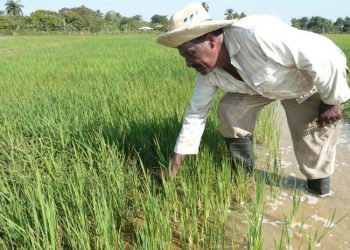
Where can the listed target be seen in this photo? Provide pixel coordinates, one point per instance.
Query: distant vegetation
(85, 20)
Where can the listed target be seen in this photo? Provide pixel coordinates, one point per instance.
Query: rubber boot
(321, 186)
(241, 152)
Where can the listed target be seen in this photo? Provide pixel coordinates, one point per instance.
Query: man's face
(199, 55)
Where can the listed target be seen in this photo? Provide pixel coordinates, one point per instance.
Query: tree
(205, 6)
(339, 23)
(160, 22)
(231, 14)
(112, 16)
(82, 19)
(342, 24)
(320, 25)
(14, 8)
(300, 23)
(137, 18)
(346, 26)
(47, 20)
(128, 24)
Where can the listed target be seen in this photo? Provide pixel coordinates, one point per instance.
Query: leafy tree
(128, 24)
(300, 23)
(339, 23)
(112, 20)
(346, 26)
(47, 20)
(14, 8)
(82, 19)
(15, 23)
(205, 6)
(320, 25)
(160, 22)
(137, 18)
(112, 16)
(342, 24)
(99, 13)
(231, 14)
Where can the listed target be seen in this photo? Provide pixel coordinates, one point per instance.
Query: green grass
(86, 124)
(343, 41)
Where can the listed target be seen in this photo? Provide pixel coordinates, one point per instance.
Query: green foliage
(343, 24)
(231, 14)
(300, 23)
(82, 19)
(14, 8)
(112, 16)
(160, 22)
(15, 23)
(322, 25)
(47, 20)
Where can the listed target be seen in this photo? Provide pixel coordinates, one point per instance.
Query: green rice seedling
(296, 196)
(255, 216)
(280, 244)
(316, 239)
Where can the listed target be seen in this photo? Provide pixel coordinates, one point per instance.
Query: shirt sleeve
(195, 117)
(315, 54)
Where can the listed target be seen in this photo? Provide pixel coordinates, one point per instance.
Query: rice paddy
(87, 122)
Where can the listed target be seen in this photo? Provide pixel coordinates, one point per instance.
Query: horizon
(284, 10)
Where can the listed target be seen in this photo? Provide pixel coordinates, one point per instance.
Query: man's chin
(203, 71)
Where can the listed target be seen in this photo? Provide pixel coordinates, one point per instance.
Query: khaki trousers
(314, 146)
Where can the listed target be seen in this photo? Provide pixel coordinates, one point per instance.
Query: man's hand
(176, 162)
(328, 114)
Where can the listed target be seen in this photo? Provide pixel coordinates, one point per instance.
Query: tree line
(83, 19)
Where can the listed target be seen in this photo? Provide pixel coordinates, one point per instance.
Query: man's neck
(224, 61)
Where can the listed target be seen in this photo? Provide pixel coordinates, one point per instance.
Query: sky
(284, 9)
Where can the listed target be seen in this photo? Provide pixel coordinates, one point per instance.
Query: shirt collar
(231, 43)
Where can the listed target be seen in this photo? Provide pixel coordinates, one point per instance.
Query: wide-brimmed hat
(190, 22)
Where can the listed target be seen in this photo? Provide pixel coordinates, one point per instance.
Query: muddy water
(313, 221)
(318, 223)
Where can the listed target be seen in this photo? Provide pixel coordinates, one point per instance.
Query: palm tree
(14, 8)
(205, 6)
(230, 14)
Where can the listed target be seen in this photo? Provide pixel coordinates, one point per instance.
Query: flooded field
(296, 219)
(321, 222)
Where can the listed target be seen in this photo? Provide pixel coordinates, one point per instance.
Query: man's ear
(211, 39)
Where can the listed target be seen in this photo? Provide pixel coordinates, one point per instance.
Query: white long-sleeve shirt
(274, 60)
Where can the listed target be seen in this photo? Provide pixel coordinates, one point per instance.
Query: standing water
(319, 223)
(296, 219)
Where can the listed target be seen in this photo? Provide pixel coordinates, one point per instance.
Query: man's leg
(314, 146)
(237, 116)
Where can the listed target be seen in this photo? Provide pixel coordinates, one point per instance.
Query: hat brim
(176, 37)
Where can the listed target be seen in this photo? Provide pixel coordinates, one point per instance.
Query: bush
(47, 20)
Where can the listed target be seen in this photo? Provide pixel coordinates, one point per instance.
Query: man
(257, 60)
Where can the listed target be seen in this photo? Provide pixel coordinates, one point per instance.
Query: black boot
(241, 152)
(321, 186)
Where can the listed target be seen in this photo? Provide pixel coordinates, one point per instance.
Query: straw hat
(190, 22)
